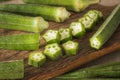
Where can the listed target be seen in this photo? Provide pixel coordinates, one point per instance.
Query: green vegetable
(53, 51)
(20, 42)
(36, 59)
(65, 34)
(12, 69)
(99, 13)
(73, 5)
(18, 22)
(88, 79)
(77, 29)
(111, 70)
(52, 36)
(106, 30)
(58, 14)
(70, 48)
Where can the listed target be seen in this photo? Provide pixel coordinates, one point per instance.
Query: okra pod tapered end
(52, 36)
(77, 29)
(53, 51)
(65, 34)
(36, 59)
(70, 48)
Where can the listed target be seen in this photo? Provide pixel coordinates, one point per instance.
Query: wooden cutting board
(54, 68)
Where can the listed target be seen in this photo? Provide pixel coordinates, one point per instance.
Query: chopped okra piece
(77, 29)
(100, 14)
(87, 22)
(65, 34)
(52, 36)
(36, 59)
(53, 51)
(70, 48)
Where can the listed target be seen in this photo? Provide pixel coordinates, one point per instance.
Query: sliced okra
(51, 36)
(36, 59)
(65, 34)
(53, 51)
(100, 14)
(87, 22)
(77, 29)
(70, 48)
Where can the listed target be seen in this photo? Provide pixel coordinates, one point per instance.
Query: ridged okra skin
(53, 51)
(36, 59)
(24, 23)
(70, 48)
(12, 69)
(106, 30)
(57, 14)
(78, 29)
(20, 42)
(65, 34)
(110, 70)
(73, 5)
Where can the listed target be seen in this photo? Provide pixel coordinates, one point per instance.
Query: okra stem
(25, 23)
(58, 14)
(73, 5)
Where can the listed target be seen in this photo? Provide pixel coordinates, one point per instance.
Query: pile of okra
(57, 41)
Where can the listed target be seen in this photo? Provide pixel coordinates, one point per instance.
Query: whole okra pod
(73, 5)
(58, 14)
(25, 23)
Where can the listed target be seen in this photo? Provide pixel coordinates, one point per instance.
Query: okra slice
(73, 5)
(77, 29)
(100, 14)
(12, 70)
(24, 23)
(106, 30)
(65, 34)
(70, 48)
(53, 51)
(87, 22)
(52, 36)
(36, 59)
(57, 14)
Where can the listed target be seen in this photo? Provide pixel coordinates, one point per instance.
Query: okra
(106, 30)
(70, 48)
(110, 70)
(20, 42)
(99, 13)
(53, 51)
(77, 29)
(58, 14)
(36, 59)
(73, 5)
(25, 23)
(12, 69)
(65, 34)
(52, 36)
(87, 22)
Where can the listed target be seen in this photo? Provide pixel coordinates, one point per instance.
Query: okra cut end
(70, 48)
(53, 51)
(62, 14)
(65, 34)
(51, 36)
(95, 43)
(36, 59)
(77, 29)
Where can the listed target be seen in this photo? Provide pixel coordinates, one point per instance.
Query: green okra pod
(58, 14)
(106, 30)
(20, 42)
(73, 5)
(53, 51)
(52, 36)
(25, 23)
(65, 34)
(77, 29)
(70, 48)
(12, 69)
(36, 59)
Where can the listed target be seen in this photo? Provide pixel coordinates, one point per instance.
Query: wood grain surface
(54, 68)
